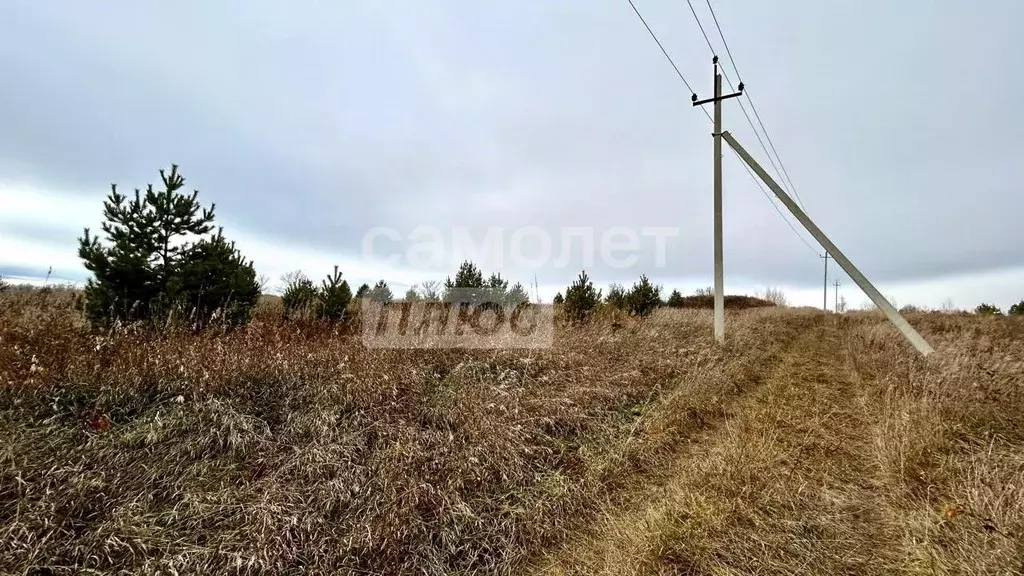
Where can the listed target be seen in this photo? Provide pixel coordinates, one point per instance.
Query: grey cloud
(57, 234)
(314, 121)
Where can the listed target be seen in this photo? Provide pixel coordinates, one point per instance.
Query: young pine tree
(986, 309)
(335, 296)
(300, 297)
(675, 299)
(381, 293)
(175, 216)
(124, 284)
(616, 296)
(581, 299)
(497, 288)
(411, 295)
(558, 299)
(467, 286)
(213, 280)
(1017, 309)
(643, 298)
(148, 267)
(363, 291)
(516, 295)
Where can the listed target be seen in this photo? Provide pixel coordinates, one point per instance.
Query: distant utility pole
(717, 134)
(836, 284)
(824, 294)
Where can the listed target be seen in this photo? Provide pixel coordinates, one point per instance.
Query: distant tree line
(986, 309)
(582, 300)
(330, 301)
(161, 259)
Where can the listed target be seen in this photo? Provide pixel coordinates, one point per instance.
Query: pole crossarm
(713, 99)
(891, 313)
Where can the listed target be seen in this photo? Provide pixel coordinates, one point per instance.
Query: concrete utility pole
(836, 284)
(824, 292)
(717, 134)
(891, 313)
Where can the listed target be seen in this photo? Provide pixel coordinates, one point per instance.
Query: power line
(750, 122)
(665, 52)
(772, 144)
(706, 113)
(742, 107)
(749, 99)
(774, 205)
(701, 26)
(722, 36)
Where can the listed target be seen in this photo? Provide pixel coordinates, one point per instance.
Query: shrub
(335, 296)
(581, 299)
(616, 296)
(147, 270)
(516, 295)
(1017, 309)
(3, 284)
(381, 293)
(988, 310)
(468, 280)
(299, 298)
(643, 298)
(411, 295)
(675, 300)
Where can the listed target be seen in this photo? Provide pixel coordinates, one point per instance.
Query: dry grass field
(808, 444)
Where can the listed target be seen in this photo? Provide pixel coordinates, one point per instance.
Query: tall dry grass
(853, 456)
(947, 443)
(284, 448)
(807, 444)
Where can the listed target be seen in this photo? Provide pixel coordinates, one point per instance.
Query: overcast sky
(308, 123)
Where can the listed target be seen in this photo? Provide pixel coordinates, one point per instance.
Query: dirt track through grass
(781, 486)
(851, 456)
